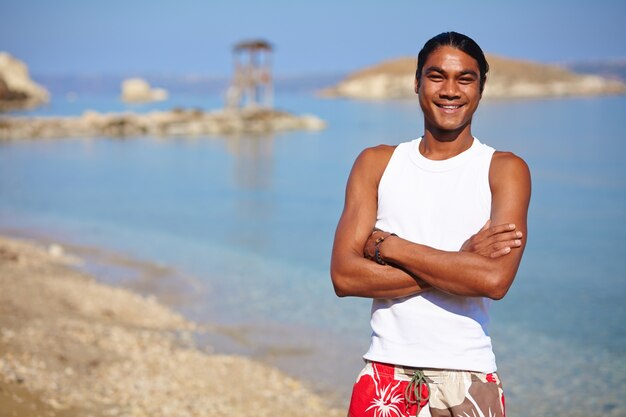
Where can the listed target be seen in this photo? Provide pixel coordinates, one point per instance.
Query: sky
(323, 36)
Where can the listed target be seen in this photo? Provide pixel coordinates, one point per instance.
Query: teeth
(450, 107)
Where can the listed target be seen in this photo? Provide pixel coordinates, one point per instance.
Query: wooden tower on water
(252, 78)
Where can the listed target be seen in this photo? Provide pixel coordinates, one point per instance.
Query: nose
(449, 90)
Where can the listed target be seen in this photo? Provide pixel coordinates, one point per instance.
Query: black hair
(459, 41)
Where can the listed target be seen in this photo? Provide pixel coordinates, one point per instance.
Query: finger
(503, 248)
(503, 237)
(501, 252)
(497, 241)
(516, 243)
(380, 236)
(501, 228)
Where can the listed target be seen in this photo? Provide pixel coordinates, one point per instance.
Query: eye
(466, 80)
(435, 77)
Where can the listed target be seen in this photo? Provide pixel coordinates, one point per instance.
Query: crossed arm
(486, 265)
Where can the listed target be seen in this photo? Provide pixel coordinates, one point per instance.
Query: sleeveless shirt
(439, 204)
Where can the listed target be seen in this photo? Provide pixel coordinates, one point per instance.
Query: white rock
(137, 90)
(15, 75)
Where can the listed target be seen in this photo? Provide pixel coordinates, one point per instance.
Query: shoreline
(71, 345)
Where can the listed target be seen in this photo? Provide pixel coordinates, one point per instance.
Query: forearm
(459, 273)
(353, 275)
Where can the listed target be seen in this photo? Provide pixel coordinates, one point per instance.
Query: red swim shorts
(383, 390)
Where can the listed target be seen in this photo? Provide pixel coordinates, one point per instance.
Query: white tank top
(439, 204)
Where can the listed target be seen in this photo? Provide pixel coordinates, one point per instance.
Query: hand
(372, 241)
(493, 242)
(369, 249)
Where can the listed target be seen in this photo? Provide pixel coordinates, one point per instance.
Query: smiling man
(432, 230)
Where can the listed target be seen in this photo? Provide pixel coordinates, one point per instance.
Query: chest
(438, 209)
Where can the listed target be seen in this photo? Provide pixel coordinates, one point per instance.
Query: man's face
(449, 89)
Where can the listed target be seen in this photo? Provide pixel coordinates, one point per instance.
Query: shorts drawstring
(415, 386)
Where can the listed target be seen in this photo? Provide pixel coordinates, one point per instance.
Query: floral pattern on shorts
(381, 391)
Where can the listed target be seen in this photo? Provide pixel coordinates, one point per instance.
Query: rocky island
(177, 122)
(17, 90)
(507, 78)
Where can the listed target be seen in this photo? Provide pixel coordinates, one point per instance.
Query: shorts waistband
(400, 371)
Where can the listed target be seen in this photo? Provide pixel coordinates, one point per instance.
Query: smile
(449, 106)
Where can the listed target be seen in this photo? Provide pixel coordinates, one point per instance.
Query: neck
(444, 144)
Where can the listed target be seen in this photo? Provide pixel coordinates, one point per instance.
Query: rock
(17, 90)
(137, 90)
(507, 78)
(177, 122)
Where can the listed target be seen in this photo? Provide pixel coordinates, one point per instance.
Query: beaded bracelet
(379, 260)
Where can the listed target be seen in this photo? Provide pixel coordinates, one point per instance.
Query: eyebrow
(434, 69)
(441, 71)
(469, 72)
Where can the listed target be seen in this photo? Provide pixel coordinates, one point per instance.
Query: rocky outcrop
(138, 90)
(515, 78)
(386, 80)
(17, 90)
(507, 78)
(171, 123)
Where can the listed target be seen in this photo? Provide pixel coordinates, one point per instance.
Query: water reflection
(252, 173)
(254, 161)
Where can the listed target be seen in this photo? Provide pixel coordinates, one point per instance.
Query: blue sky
(323, 36)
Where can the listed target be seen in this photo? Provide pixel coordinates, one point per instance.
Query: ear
(417, 86)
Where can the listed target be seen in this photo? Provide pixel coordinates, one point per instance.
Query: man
(406, 239)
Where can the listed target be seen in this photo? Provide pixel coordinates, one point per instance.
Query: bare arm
(351, 273)
(354, 275)
(470, 274)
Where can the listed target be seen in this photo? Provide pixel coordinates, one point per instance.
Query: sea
(241, 230)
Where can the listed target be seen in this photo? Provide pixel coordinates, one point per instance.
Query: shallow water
(252, 219)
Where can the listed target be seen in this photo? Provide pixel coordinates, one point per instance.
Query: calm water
(252, 219)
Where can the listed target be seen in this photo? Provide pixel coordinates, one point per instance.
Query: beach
(72, 346)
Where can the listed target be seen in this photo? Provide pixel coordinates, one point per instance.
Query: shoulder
(507, 168)
(375, 159)
(370, 166)
(502, 162)
(376, 153)
(366, 173)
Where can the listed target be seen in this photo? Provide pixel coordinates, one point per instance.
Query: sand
(70, 346)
